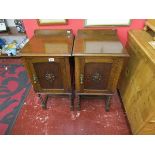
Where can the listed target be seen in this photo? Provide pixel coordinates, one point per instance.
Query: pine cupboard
(137, 84)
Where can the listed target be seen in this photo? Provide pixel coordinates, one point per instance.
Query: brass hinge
(81, 78)
(35, 79)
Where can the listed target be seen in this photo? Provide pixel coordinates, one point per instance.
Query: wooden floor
(59, 120)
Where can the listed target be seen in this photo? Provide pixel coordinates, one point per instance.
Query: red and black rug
(14, 87)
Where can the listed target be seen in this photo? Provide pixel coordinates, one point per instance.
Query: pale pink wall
(75, 24)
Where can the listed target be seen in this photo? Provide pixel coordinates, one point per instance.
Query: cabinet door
(49, 74)
(97, 74)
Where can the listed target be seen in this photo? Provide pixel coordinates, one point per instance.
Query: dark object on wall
(107, 22)
(19, 25)
(3, 25)
(44, 22)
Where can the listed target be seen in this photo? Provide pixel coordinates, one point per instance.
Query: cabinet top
(151, 24)
(48, 45)
(142, 39)
(98, 43)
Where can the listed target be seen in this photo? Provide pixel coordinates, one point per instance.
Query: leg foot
(43, 102)
(107, 103)
(78, 103)
(71, 103)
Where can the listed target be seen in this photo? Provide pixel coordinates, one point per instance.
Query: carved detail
(50, 77)
(97, 77)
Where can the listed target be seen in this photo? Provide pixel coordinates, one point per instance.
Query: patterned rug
(14, 87)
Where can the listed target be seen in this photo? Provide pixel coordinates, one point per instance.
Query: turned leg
(107, 103)
(71, 102)
(78, 103)
(43, 102)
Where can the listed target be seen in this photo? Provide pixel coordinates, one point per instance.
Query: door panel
(49, 75)
(96, 75)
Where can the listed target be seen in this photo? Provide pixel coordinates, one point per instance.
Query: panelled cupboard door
(97, 74)
(48, 74)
